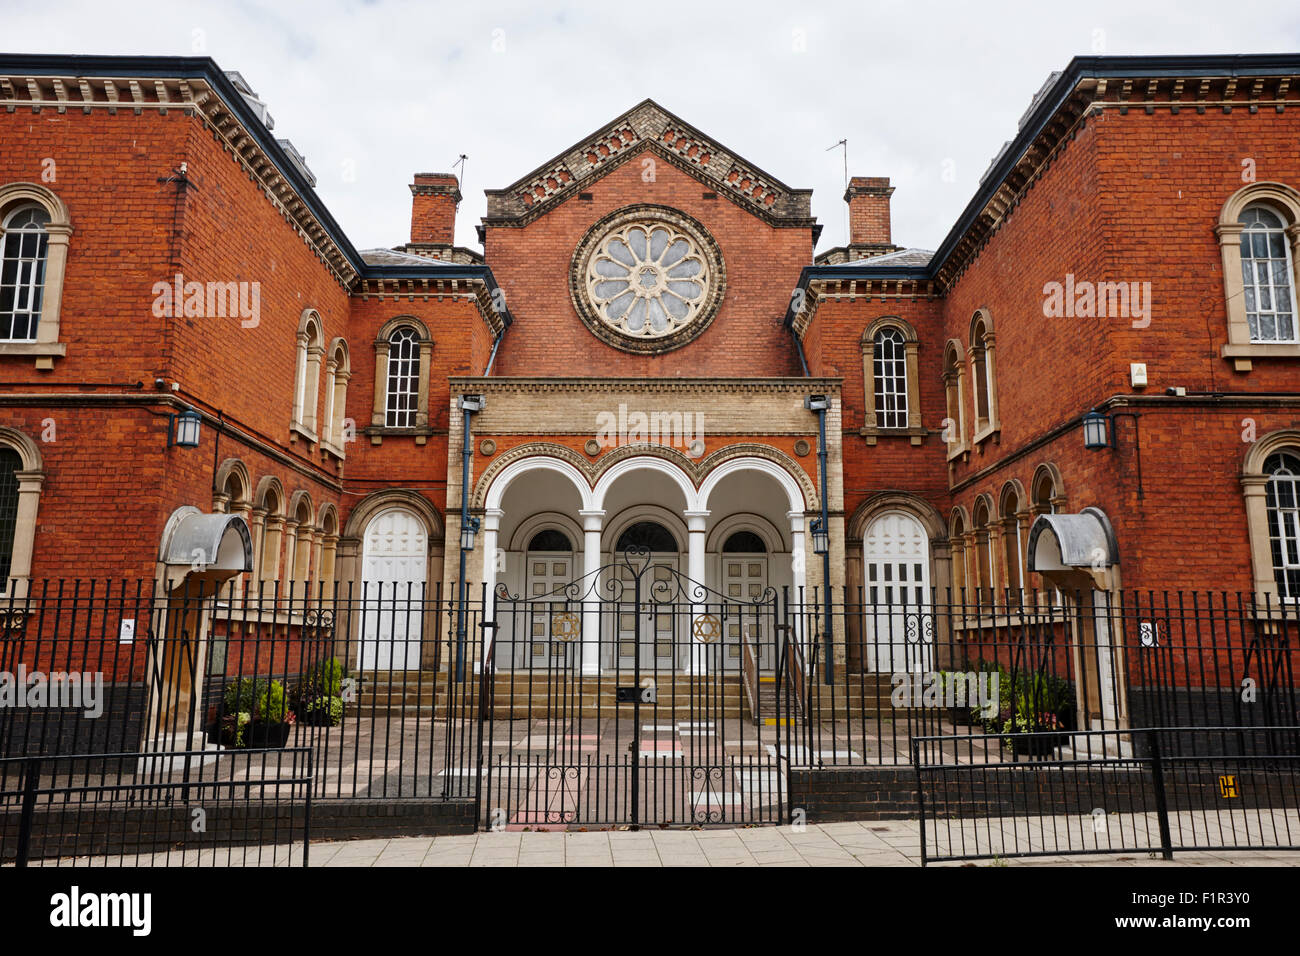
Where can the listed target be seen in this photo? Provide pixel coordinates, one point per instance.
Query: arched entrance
(664, 555)
(394, 567)
(899, 629)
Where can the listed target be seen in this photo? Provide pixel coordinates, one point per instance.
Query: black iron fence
(191, 808)
(1104, 794)
(1043, 663)
(366, 681)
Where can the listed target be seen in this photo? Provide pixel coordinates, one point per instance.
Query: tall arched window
(1267, 278)
(983, 375)
(960, 563)
(34, 235)
(403, 396)
(891, 379)
(338, 371)
(954, 425)
(984, 579)
(1012, 541)
(649, 535)
(1282, 497)
(24, 246)
(10, 464)
(311, 348)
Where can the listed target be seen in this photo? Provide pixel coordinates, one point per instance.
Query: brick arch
(531, 450)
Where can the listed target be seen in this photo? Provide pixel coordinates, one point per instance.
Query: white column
(592, 523)
(800, 553)
(491, 525)
(696, 571)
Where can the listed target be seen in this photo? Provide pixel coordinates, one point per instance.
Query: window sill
(1241, 353)
(993, 430)
(871, 434)
(301, 431)
(330, 448)
(44, 352)
(378, 433)
(958, 451)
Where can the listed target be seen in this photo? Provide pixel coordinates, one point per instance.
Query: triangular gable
(649, 126)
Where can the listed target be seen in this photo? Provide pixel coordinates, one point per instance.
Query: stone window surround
(338, 372)
(47, 346)
(982, 352)
(954, 386)
(30, 478)
(912, 346)
(1254, 483)
(306, 391)
(378, 430)
(1285, 200)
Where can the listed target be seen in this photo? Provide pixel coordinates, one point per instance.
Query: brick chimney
(433, 208)
(868, 199)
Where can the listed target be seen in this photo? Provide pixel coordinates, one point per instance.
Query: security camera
(1178, 390)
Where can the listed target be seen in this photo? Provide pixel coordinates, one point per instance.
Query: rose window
(648, 279)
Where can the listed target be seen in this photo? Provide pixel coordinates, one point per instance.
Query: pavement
(867, 843)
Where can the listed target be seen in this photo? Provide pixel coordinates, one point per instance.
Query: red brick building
(642, 329)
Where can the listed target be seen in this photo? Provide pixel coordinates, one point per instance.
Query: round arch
(327, 519)
(28, 450)
(545, 521)
(1277, 194)
(1049, 472)
(267, 487)
(14, 193)
(496, 484)
(378, 501)
(795, 497)
(929, 516)
(1266, 445)
(400, 321)
(615, 526)
(771, 535)
(644, 463)
(300, 502)
(889, 322)
(234, 467)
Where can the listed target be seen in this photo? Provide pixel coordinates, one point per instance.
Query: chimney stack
(868, 199)
(434, 197)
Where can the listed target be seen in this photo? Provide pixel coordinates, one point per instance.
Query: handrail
(795, 673)
(749, 666)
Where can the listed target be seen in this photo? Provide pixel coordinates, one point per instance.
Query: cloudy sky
(371, 92)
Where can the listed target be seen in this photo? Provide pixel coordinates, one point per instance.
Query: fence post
(1162, 807)
(29, 809)
(920, 793)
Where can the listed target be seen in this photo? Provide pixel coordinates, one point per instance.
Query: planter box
(261, 734)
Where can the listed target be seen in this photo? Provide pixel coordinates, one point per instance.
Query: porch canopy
(1064, 546)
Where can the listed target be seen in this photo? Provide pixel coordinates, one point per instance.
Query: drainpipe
(469, 404)
(819, 404)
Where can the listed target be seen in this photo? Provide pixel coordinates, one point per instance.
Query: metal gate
(633, 696)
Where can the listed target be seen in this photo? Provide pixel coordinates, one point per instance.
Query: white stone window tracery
(647, 279)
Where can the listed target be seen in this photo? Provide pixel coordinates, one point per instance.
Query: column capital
(695, 521)
(797, 519)
(593, 519)
(492, 518)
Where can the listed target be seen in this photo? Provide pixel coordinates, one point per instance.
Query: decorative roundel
(647, 279)
(706, 628)
(566, 626)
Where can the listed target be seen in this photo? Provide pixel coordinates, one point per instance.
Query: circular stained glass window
(650, 279)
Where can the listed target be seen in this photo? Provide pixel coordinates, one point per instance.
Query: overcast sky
(372, 92)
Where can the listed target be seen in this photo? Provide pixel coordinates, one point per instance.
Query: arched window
(960, 564)
(649, 535)
(403, 394)
(327, 549)
(1012, 541)
(983, 375)
(270, 514)
(1282, 497)
(1267, 278)
(550, 540)
(338, 371)
(1259, 240)
(23, 250)
(10, 464)
(311, 347)
(403, 360)
(954, 425)
(890, 379)
(744, 542)
(21, 477)
(302, 535)
(34, 234)
(983, 578)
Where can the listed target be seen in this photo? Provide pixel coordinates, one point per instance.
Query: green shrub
(323, 706)
(323, 680)
(272, 704)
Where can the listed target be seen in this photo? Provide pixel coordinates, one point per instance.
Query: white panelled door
(393, 572)
(899, 626)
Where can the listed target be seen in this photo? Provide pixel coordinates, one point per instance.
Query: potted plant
(317, 696)
(272, 718)
(1034, 708)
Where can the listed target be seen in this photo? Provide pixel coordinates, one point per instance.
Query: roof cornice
(200, 87)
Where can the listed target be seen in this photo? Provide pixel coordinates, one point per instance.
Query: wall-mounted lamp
(820, 536)
(467, 532)
(1099, 432)
(183, 429)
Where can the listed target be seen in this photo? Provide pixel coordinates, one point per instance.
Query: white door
(550, 614)
(899, 624)
(744, 579)
(393, 572)
(651, 628)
